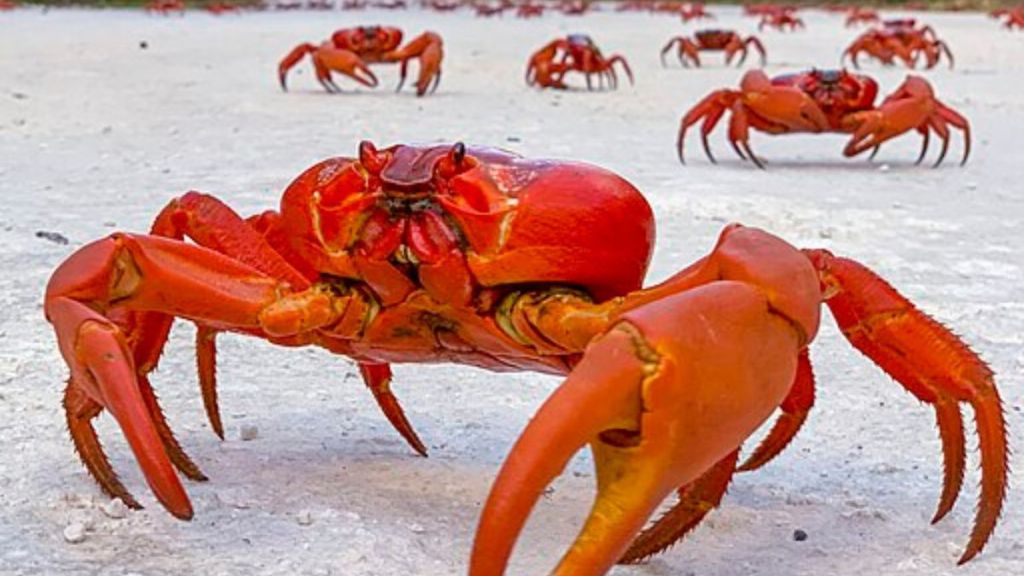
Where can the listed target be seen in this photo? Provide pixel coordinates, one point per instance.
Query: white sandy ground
(97, 135)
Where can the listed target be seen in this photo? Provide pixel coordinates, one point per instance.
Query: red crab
(1012, 17)
(900, 39)
(858, 15)
(487, 10)
(781, 20)
(443, 5)
(165, 7)
(694, 11)
(713, 41)
(219, 8)
(351, 50)
(478, 256)
(548, 66)
(826, 101)
(530, 10)
(574, 7)
(764, 9)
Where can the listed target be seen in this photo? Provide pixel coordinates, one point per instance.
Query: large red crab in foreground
(350, 50)
(825, 101)
(713, 40)
(478, 256)
(548, 66)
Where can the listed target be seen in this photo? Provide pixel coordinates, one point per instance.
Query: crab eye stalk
(372, 160)
(458, 153)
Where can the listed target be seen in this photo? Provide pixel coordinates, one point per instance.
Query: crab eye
(455, 162)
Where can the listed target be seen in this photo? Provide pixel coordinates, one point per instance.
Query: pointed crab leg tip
(182, 513)
(967, 556)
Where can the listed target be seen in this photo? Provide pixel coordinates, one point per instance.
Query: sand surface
(96, 135)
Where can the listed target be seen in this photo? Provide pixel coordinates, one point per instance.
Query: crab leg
(378, 379)
(206, 364)
(794, 408)
(428, 47)
(290, 60)
(672, 42)
(625, 66)
(212, 224)
(710, 109)
(936, 367)
(149, 273)
(753, 41)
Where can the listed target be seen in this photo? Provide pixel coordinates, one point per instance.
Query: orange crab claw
(782, 105)
(661, 400)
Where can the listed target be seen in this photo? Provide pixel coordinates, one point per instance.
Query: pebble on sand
(74, 533)
(248, 432)
(115, 509)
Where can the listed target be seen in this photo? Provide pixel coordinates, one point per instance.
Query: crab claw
(661, 398)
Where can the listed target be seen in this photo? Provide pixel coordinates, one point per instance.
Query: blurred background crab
(713, 40)
(548, 66)
(901, 39)
(350, 51)
(858, 15)
(781, 18)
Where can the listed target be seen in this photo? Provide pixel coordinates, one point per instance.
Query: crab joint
(554, 320)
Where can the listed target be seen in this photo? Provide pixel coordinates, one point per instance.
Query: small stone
(416, 528)
(799, 535)
(55, 237)
(249, 432)
(884, 168)
(513, 139)
(304, 518)
(115, 509)
(143, 45)
(74, 533)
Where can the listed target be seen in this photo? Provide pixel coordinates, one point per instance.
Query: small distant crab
(901, 40)
(781, 20)
(350, 50)
(548, 66)
(858, 15)
(712, 40)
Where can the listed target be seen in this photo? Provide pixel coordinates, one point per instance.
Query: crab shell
(513, 221)
(367, 39)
